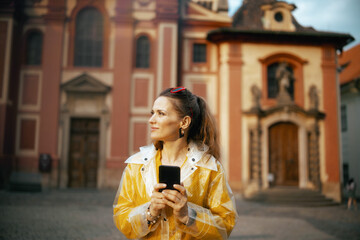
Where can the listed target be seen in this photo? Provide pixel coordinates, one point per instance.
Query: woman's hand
(157, 200)
(177, 200)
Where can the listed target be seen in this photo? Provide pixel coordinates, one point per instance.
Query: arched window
(142, 52)
(89, 31)
(34, 43)
(273, 84)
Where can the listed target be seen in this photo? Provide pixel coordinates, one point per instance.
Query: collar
(197, 156)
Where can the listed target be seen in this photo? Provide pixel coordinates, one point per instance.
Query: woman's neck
(174, 153)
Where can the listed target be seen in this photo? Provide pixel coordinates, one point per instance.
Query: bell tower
(277, 16)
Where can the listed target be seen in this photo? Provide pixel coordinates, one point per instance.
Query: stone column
(314, 157)
(120, 112)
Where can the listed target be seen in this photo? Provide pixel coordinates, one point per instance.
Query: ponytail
(203, 125)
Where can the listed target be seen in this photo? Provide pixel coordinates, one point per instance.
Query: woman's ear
(185, 122)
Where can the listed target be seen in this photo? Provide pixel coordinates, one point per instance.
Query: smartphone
(169, 175)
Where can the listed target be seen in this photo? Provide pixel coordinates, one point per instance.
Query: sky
(341, 16)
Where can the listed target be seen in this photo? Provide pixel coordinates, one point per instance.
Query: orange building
(79, 77)
(349, 63)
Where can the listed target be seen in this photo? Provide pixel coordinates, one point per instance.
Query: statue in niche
(284, 78)
(314, 98)
(256, 96)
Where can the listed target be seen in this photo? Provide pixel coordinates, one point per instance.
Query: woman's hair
(203, 126)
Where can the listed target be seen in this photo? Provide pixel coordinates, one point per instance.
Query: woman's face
(164, 121)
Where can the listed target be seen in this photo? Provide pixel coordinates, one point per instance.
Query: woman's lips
(154, 128)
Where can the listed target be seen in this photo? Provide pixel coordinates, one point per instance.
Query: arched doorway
(283, 154)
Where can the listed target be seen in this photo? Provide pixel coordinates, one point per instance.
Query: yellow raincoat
(210, 200)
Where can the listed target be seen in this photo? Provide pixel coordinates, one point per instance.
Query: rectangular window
(199, 53)
(346, 172)
(343, 118)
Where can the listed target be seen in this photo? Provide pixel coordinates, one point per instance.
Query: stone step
(291, 196)
(25, 181)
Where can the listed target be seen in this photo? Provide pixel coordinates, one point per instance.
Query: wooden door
(84, 152)
(283, 154)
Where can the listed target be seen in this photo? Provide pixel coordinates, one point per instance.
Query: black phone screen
(169, 175)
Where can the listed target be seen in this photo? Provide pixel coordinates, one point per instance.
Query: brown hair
(203, 126)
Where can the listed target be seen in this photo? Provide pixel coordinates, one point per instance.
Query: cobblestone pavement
(87, 214)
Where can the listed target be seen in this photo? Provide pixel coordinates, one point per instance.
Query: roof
(249, 16)
(339, 40)
(349, 62)
(248, 25)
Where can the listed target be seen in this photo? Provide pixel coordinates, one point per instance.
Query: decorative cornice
(338, 40)
(288, 108)
(85, 84)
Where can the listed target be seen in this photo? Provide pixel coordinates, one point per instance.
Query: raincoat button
(193, 159)
(142, 169)
(192, 168)
(145, 159)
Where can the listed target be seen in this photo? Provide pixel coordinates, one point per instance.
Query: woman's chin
(154, 138)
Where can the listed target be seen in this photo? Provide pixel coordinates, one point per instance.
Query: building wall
(351, 136)
(45, 105)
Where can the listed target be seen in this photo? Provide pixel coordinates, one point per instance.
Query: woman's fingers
(159, 186)
(157, 199)
(180, 188)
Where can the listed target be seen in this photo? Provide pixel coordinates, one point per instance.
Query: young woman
(202, 207)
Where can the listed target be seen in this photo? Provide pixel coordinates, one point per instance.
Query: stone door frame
(300, 122)
(93, 94)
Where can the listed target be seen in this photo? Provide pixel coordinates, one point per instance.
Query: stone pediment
(85, 84)
(289, 108)
(195, 11)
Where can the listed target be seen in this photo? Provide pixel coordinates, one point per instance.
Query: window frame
(81, 39)
(148, 53)
(100, 6)
(28, 34)
(297, 65)
(344, 118)
(193, 53)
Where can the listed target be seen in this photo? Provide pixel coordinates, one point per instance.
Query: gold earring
(181, 132)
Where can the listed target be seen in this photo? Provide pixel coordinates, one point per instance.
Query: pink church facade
(84, 98)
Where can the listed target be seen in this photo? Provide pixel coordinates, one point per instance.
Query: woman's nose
(151, 119)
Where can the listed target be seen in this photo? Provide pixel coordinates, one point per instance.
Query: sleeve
(218, 218)
(129, 218)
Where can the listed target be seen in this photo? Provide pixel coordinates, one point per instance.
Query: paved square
(87, 214)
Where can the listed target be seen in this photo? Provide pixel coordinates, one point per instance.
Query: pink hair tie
(177, 89)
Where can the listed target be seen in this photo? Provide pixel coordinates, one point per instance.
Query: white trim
(66, 45)
(4, 95)
(174, 56)
(186, 60)
(131, 132)
(112, 45)
(224, 111)
(211, 90)
(21, 91)
(195, 35)
(147, 109)
(213, 58)
(18, 128)
(160, 62)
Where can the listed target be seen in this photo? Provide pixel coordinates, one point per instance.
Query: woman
(202, 206)
(351, 188)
